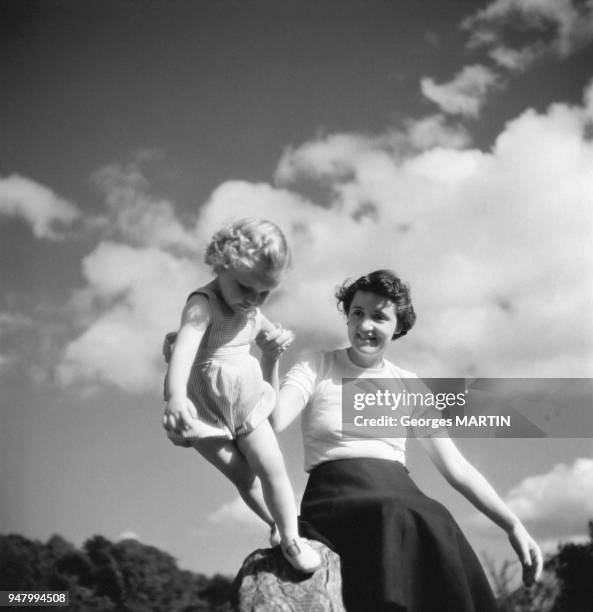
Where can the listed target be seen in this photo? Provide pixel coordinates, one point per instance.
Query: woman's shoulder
(315, 364)
(318, 357)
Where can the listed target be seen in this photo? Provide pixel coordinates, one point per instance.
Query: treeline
(566, 585)
(128, 576)
(105, 576)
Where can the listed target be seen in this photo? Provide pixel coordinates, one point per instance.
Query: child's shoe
(301, 556)
(274, 536)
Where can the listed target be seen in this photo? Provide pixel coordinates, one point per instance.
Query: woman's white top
(318, 377)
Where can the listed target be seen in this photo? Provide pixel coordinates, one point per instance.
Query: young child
(217, 399)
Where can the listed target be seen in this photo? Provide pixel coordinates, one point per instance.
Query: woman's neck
(373, 362)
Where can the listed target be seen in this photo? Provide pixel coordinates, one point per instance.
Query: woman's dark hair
(386, 284)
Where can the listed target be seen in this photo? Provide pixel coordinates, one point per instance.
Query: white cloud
(515, 60)
(135, 215)
(496, 245)
(514, 34)
(46, 212)
(561, 27)
(127, 535)
(555, 506)
(235, 515)
(133, 297)
(487, 239)
(336, 156)
(11, 323)
(563, 495)
(137, 283)
(326, 156)
(588, 99)
(434, 131)
(466, 93)
(549, 546)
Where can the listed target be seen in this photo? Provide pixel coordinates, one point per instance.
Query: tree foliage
(573, 565)
(566, 586)
(128, 576)
(105, 576)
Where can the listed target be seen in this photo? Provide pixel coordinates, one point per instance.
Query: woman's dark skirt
(399, 549)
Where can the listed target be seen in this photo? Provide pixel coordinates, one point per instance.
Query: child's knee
(243, 478)
(246, 483)
(274, 475)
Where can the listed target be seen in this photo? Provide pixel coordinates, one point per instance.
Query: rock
(266, 582)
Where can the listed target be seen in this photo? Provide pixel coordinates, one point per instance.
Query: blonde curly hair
(255, 245)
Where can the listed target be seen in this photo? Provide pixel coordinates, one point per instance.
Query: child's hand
(528, 552)
(179, 414)
(274, 342)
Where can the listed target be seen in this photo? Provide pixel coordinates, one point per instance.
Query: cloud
(549, 546)
(11, 326)
(563, 496)
(515, 60)
(235, 515)
(435, 131)
(136, 216)
(560, 27)
(335, 157)
(472, 230)
(496, 245)
(13, 321)
(47, 213)
(127, 535)
(514, 34)
(555, 505)
(466, 93)
(132, 298)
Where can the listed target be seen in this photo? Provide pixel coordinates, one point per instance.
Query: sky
(449, 141)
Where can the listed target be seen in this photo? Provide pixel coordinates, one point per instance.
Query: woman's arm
(288, 407)
(272, 340)
(289, 400)
(466, 479)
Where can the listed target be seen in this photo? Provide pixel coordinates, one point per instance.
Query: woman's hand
(464, 477)
(273, 342)
(528, 552)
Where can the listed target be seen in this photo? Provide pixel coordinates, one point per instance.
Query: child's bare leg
(228, 459)
(263, 454)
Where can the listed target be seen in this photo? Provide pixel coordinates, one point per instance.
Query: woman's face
(371, 324)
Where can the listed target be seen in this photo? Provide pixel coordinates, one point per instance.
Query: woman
(399, 549)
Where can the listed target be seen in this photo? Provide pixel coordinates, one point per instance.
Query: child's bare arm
(194, 322)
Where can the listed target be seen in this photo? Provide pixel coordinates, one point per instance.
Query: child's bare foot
(301, 556)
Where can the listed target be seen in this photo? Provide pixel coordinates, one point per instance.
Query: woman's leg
(225, 456)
